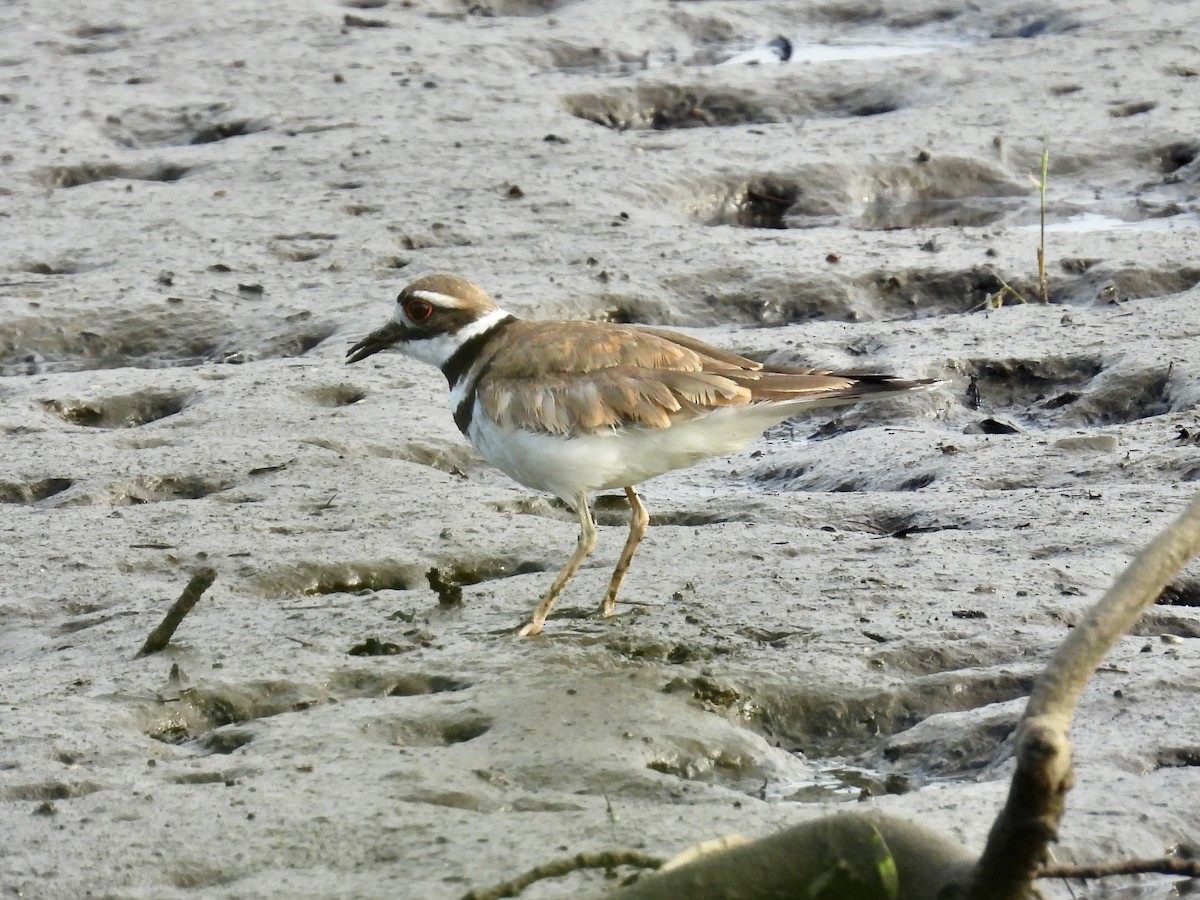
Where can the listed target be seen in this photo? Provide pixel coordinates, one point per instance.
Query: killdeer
(575, 407)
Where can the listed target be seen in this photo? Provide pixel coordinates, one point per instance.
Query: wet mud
(204, 207)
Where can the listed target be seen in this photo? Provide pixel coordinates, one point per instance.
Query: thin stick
(604, 860)
(1165, 865)
(161, 636)
(1016, 847)
(1041, 254)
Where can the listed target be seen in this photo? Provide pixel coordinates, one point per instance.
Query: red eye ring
(417, 310)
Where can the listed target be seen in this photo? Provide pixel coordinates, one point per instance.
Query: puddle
(840, 783)
(824, 53)
(1093, 223)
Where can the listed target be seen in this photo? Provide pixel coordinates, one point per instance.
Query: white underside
(566, 466)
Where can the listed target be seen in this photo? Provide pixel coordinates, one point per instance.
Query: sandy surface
(202, 205)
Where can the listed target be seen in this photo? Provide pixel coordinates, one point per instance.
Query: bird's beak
(379, 339)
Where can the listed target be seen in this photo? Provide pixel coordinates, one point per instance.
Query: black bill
(379, 339)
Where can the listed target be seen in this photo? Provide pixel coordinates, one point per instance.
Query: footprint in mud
(309, 578)
(734, 762)
(1157, 623)
(738, 295)
(302, 247)
(1183, 591)
(1067, 391)
(148, 126)
(49, 791)
(668, 106)
(93, 39)
(152, 337)
(1101, 284)
(1029, 385)
(952, 744)
(31, 492)
(663, 107)
(131, 492)
(89, 173)
(734, 295)
(152, 489)
(452, 458)
(198, 712)
(524, 8)
(312, 578)
(428, 731)
(335, 395)
(448, 581)
(120, 411)
(877, 741)
(846, 720)
(926, 192)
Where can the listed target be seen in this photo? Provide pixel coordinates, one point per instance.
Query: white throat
(438, 349)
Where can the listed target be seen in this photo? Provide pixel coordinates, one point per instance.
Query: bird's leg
(638, 520)
(583, 548)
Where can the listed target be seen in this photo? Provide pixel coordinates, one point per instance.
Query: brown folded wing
(561, 377)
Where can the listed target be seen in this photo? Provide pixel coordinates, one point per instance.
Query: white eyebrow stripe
(438, 299)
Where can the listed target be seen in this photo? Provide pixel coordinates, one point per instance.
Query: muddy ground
(203, 205)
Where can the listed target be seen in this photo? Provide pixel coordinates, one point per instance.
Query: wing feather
(563, 377)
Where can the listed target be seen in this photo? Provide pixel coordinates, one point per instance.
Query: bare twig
(1017, 844)
(1041, 253)
(996, 300)
(1164, 865)
(608, 859)
(161, 636)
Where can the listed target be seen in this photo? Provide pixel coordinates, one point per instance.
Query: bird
(573, 407)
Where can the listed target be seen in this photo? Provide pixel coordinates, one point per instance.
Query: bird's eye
(418, 310)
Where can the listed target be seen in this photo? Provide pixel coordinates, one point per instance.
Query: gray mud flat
(203, 205)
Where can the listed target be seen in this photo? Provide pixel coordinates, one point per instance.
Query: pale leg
(638, 520)
(584, 547)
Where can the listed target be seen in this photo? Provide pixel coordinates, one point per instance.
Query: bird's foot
(530, 629)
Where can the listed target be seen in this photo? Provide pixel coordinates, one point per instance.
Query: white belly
(565, 466)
